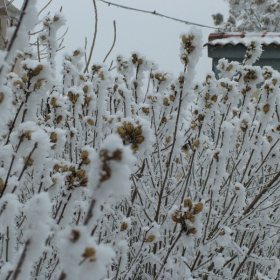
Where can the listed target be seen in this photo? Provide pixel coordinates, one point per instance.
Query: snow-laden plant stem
(135, 174)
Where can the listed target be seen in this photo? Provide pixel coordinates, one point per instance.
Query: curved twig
(94, 37)
(115, 37)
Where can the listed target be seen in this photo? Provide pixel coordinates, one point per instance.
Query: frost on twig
(135, 173)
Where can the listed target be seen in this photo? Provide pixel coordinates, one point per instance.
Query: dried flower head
(150, 238)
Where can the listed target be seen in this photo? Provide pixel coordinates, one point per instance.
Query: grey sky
(156, 38)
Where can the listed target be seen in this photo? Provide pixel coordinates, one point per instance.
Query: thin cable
(156, 14)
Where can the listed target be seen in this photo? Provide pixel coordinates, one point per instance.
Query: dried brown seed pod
(85, 89)
(53, 137)
(175, 219)
(106, 173)
(191, 231)
(28, 161)
(124, 226)
(189, 216)
(76, 53)
(81, 173)
(84, 182)
(117, 155)
(38, 70)
(53, 101)
(90, 253)
(188, 203)
(90, 121)
(198, 208)
(56, 167)
(266, 108)
(54, 180)
(59, 119)
(137, 131)
(64, 168)
(196, 143)
(28, 134)
(216, 156)
(75, 235)
(84, 154)
(167, 139)
(244, 125)
(150, 238)
(139, 139)
(121, 131)
(18, 82)
(269, 138)
(72, 169)
(86, 161)
(128, 127)
(134, 147)
(165, 101)
(214, 98)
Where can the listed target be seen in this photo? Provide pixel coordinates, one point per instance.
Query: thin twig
(115, 37)
(44, 7)
(94, 36)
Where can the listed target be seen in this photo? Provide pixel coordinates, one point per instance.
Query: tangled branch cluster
(135, 174)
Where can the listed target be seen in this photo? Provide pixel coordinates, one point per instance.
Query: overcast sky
(155, 37)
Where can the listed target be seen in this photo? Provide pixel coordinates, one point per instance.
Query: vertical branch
(94, 36)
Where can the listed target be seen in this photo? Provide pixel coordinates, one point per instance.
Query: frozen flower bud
(28, 161)
(28, 134)
(105, 173)
(150, 238)
(84, 154)
(59, 119)
(134, 148)
(189, 216)
(75, 235)
(165, 101)
(196, 143)
(198, 208)
(192, 231)
(56, 167)
(53, 137)
(128, 127)
(38, 70)
(124, 226)
(90, 121)
(84, 182)
(38, 84)
(81, 173)
(18, 83)
(266, 108)
(188, 203)
(53, 101)
(244, 125)
(90, 253)
(85, 89)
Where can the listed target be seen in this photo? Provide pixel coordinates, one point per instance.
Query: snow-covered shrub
(250, 15)
(133, 173)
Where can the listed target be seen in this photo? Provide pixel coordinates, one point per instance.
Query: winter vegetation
(127, 172)
(250, 15)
